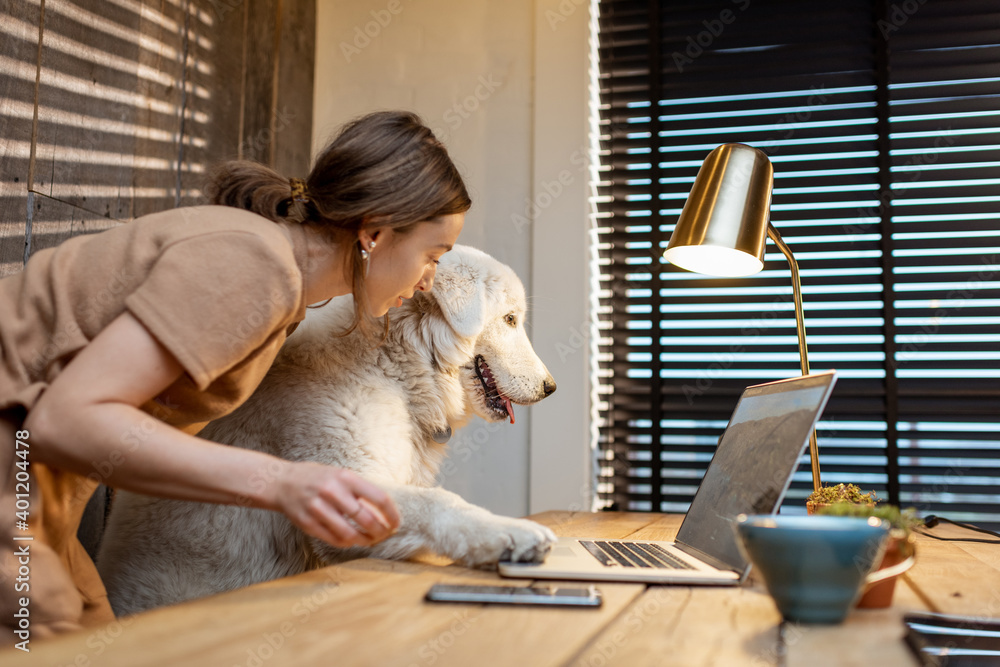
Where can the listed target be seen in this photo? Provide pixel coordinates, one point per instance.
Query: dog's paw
(517, 540)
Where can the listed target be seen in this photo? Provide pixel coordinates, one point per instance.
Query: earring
(366, 257)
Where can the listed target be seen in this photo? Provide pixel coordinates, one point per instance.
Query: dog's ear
(460, 292)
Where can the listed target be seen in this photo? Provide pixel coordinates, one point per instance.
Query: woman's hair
(386, 168)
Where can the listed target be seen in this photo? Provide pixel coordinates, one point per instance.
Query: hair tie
(298, 187)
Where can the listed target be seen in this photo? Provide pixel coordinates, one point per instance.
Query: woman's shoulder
(206, 223)
(208, 219)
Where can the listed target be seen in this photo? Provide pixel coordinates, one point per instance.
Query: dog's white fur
(378, 411)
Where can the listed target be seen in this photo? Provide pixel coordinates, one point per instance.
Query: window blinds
(881, 121)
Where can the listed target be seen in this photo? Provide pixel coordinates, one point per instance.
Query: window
(882, 122)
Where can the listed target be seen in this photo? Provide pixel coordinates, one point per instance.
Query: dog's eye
(511, 319)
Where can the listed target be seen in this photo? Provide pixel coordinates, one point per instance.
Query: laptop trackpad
(562, 551)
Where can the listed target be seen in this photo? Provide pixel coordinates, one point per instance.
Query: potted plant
(841, 493)
(901, 543)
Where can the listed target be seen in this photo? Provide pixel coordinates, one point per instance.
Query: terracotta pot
(813, 508)
(879, 594)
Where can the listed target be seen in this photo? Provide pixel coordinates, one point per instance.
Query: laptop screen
(754, 462)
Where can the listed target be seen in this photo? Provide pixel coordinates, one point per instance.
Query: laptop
(749, 474)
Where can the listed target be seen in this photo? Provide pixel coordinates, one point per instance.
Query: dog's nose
(549, 385)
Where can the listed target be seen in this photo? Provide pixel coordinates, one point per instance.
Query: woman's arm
(88, 421)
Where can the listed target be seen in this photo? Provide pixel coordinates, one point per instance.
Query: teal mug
(814, 567)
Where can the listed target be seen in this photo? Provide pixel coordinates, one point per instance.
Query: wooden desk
(371, 612)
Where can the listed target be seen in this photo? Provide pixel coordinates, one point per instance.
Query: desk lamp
(722, 227)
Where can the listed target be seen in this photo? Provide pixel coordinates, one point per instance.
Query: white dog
(385, 412)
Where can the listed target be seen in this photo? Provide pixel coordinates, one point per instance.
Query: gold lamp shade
(723, 227)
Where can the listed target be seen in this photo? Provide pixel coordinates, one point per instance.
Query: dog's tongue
(510, 408)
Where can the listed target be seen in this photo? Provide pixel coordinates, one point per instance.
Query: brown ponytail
(251, 186)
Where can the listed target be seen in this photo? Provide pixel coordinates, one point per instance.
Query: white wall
(504, 85)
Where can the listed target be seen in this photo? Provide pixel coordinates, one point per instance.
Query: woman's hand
(334, 505)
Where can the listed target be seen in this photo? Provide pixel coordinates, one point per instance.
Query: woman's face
(402, 264)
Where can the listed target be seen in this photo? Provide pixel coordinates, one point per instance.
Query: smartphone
(955, 641)
(549, 596)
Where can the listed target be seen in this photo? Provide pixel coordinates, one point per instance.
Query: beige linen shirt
(218, 287)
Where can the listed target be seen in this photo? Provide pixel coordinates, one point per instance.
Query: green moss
(842, 493)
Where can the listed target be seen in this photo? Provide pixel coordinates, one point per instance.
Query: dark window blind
(882, 122)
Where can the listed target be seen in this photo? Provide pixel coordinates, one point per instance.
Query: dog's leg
(438, 521)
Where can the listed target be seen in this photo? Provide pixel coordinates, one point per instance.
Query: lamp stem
(800, 327)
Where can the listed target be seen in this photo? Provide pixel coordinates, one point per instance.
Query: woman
(118, 347)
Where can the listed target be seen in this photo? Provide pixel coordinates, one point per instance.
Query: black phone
(940, 640)
(549, 596)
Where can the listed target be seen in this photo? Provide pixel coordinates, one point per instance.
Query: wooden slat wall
(292, 117)
(17, 96)
(111, 110)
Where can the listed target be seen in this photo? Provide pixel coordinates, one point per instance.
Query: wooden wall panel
(215, 73)
(54, 221)
(86, 107)
(135, 99)
(18, 66)
(293, 108)
(164, 90)
(260, 61)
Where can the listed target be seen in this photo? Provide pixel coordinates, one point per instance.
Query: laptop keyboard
(634, 554)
